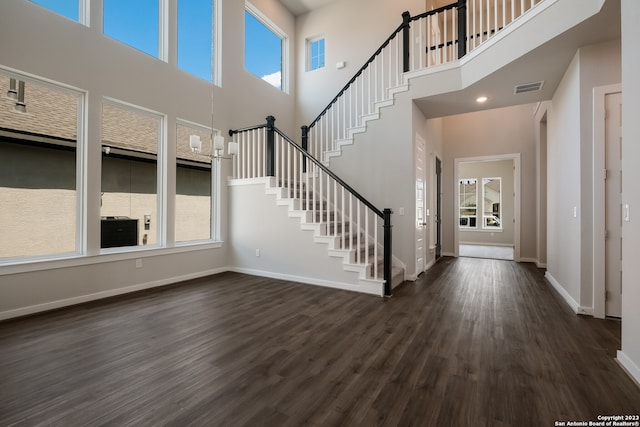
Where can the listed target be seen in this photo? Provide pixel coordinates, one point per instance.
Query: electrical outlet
(257, 252)
(139, 263)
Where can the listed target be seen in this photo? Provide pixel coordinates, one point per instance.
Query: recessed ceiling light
(481, 99)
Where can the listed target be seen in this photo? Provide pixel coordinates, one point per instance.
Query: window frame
(83, 11)
(484, 217)
(81, 168)
(216, 42)
(161, 175)
(163, 32)
(215, 188)
(461, 194)
(284, 38)
(310, 42)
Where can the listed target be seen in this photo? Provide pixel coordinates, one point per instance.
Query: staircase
(360, 253)
(433, 38)
(354, 230)
(351, 228)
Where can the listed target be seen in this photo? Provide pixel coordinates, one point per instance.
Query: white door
(421, 205)
(613, 205)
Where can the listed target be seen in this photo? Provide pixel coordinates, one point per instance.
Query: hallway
(473, 342)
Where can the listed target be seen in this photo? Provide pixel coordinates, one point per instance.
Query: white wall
(286, 252)
(353, 30)
(563, 176)
(599, 65)
(629, 356)
(39, 42)
(491, 133)
(571, 170)
(432, 129)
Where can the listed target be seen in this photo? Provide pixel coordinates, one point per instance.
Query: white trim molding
(629, 367)
(52, 305)
(599, 205)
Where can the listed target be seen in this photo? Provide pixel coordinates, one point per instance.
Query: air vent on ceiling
(528, 87)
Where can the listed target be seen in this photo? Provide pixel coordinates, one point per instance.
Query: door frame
(599, 208)
(516, 200)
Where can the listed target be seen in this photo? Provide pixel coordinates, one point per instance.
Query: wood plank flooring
(472, 343)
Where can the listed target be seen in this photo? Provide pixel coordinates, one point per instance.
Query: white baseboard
(448, 254)
(563, 293)
(379, 291)
(534, 261)
(24, 311)
(630, 368)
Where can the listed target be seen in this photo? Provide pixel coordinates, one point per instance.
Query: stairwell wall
(353, 30)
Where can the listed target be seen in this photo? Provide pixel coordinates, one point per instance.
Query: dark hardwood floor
(473, 343)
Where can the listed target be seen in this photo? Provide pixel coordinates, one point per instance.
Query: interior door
(613, 205)
(421, 205)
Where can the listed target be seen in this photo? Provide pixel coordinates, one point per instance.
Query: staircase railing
(429, 39)
(345, 215)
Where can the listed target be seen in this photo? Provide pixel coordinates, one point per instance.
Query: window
(315, 53)
(67, 8)
(193, 214)
(136, 23)
(468, 203)
(491, 201)
(195, 37)
(130, 214)
(263, 48)
(39, 164)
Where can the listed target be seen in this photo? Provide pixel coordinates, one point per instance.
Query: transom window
(195, 37)
(68, 8)
(136, 23)
(264, 47)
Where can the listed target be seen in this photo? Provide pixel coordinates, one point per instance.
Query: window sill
(109, 255)
(481, 230)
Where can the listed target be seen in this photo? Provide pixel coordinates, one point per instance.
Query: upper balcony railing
(432, 38)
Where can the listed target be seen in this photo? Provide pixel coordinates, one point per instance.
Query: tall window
(136, 23)
(193, 185)
(315, 53)
(129, 201)
(491, 201)
(67, 8)
(39, 201)
(195, 37)
(263, 48)
(468, 203)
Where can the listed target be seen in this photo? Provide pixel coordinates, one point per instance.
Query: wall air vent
(528, 87)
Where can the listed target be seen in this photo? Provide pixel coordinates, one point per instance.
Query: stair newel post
(305, 146)
(462, 28)
(387, 252)
(270, 150)
(406, 18)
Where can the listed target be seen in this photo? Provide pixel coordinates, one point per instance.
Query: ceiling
(299, 7)
(547, 63)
